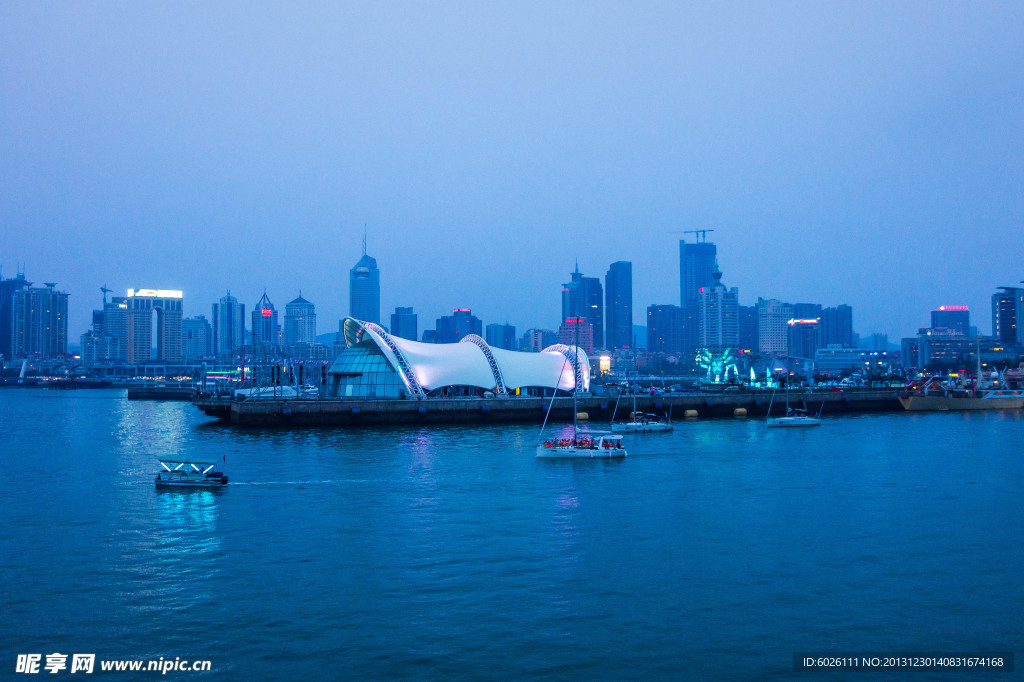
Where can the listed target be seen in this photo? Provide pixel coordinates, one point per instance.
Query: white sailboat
(793, 417)
(582, 445)
(640, 422)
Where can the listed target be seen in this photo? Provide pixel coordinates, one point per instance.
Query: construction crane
(701, 234)
(105, 291)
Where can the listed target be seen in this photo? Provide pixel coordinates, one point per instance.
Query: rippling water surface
(713, 552)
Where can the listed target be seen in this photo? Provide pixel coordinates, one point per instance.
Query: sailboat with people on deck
(583, 444)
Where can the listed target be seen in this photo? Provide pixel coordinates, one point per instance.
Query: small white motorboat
(189, 474)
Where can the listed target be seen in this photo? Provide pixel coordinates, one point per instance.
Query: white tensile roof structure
(424, 367)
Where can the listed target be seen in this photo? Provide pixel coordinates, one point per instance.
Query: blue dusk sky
(861, 153)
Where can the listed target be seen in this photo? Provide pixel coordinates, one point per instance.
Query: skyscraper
(803, 338)
(773, 318)
(501, 336)
(697, 263)
(618, 293)
(39, 322)
(299, 322)
(364, 289)
(665, 328)
(196, 338)
(265, 330)
(451, 328)
(7, 289)
(748, 327)
(142, 304)
(837, 326)
(582, 297)
(576, 331)
(1007, 311)
(404, 324)
(228, 325)
(956, 318)
(115, 323)
(719, 314)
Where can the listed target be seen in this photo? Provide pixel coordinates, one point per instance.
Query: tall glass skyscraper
(364, 289)
(696, 265)
(583, 297)
(696, 268)
(299, 322)
(618, 294)
(228, 325)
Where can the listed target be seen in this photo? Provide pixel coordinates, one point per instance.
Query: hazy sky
(861, 153)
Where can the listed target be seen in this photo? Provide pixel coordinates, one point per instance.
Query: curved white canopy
(435, 365)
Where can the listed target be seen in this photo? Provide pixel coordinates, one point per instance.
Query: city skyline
(981, 314)
(868, 155)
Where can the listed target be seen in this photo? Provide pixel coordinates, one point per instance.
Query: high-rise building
(299, 322)
(228, 326)
(697, 263)
(803, 338)
(39, 322)
(141, 304)
(748, 327)
(773, 318)
(719, 314)
(501, 336)
(837, 326)
(451, 328)
(665, 328)
(583, 297)
(364, 289)
(538, 339)
(576, 331)
(618, 294)
(405, 324)
(7, 289)
(807, 311)
(115, 323)
(1008, 315)
(956, 318)
(196, 338)
(99, 347)
(266, 331)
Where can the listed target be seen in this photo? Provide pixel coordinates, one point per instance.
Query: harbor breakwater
(354, 412)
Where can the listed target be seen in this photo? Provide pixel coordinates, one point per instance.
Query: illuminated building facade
(577, 331)
(773, 318)
(956, 318)
(141, 305)
(804, 338)
(376, 364)
(719, 314)
(266, 331)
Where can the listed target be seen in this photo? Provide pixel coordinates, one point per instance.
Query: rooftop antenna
(105, 291)
(364, 239)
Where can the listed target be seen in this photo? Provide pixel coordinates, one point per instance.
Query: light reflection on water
(713, 551)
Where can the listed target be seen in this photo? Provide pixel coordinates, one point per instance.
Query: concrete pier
(354, 412)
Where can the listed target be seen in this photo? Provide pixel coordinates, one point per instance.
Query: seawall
(354, 412)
